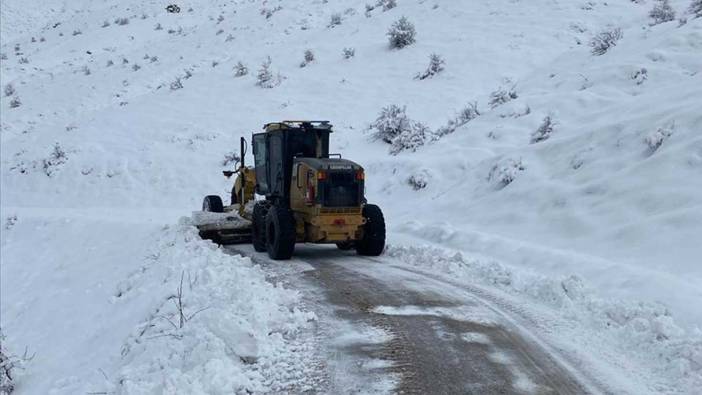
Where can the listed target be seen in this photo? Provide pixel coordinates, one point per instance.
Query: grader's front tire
(258, 227)
(280, 233)
(373, 241)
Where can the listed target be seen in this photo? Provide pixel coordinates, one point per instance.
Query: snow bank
(644, 331)
(114, 317)
(232, 332)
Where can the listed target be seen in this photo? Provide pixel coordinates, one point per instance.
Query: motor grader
(297, 192)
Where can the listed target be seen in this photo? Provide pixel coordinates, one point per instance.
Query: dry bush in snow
(502, 96)
(10, 363)
(15, 102)
(695, 8)
(605, 40)
(9, 90)
(349, 53)
(467, 114)
(436, 65)
(57, 158)
(544, 131)
(308, 58)
(505, 172)
(122, 21)
(395, 128)
(662, 12)
(240, 70)
(334, 20)
(640, 76)
(656, 139)
(105, 23)
(401, 33)
(176, 84)
(418, 180)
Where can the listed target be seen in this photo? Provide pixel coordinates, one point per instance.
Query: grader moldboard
(306, 195)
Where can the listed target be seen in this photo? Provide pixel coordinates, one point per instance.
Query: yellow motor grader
(296, 193)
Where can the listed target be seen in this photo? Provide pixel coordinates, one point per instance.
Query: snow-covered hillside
(117, 118)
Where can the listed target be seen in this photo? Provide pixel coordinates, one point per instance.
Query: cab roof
(323, 125)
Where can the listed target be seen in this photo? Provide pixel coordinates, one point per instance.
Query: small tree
(662, 12)
(436, 65)
(265, 77)
(401, 33)
(605, 40)
(240, 70)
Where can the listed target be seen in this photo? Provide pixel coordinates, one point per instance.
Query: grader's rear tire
(213, 204)
(280, 233)
(373, 241)
(258, 227)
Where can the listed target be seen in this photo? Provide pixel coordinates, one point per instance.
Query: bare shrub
(695, 9)
(9, 90)
(105, 23)
(419, 180)
(395, 128)
(240, 70)
(334, 20)
(388, 4)
(467, 114)
(662, 12)
(176, 84)
(348, 53)
(605, 40)
(308, 58)
(9, 363)
(57, 158)
(77, 32)
(502, 96)
(505, 172)
(544, 131)
(122, 21)
(15, 102)
(401, 33)
(436, 65)
(656, 139)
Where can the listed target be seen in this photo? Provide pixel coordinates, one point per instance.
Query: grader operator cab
(306, 195)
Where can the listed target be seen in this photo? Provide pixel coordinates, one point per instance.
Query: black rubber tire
(373, 241)
(344, 245)
(280, 233)
(258, 227)
(213, 204)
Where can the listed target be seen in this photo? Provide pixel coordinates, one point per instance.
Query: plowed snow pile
(558, 139)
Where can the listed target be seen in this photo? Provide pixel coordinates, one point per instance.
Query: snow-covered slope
(126, 113)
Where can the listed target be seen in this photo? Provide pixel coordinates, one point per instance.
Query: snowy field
(527, 161)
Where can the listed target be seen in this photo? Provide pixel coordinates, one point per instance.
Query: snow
(602, 218)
